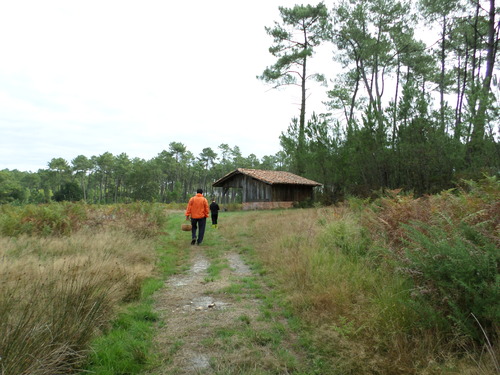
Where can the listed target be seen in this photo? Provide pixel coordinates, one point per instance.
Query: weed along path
(217, 317)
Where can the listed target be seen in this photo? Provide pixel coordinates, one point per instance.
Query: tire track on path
(194, 311)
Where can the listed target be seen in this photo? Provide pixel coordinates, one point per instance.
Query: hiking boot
(193, 241)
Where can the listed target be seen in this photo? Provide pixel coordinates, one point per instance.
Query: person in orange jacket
(197, 209)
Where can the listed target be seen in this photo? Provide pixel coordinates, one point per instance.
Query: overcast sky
(87, 77)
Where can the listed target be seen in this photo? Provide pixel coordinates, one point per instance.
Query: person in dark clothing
(214, 213)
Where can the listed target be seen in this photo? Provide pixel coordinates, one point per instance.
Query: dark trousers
(200, 225)
(214, 218)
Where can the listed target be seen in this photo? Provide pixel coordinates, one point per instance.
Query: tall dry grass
(318, 257)
(57, 292)
(339, 268)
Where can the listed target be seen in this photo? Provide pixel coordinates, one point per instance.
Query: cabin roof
(268, 177)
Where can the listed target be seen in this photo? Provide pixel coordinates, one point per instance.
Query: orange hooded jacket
(197, 207)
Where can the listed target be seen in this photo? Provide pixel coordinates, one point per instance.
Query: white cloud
(127, 76)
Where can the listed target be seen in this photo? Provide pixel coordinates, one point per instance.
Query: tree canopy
(402, 111)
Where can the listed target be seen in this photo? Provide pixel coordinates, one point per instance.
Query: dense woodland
(172, 176)
(402, 112)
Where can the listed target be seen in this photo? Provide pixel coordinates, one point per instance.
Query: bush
(348, 237)
(50, 219)
(457, 274)
(142, 219)
(64, 218)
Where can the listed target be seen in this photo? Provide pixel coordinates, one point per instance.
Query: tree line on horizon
(171, 176)
(401, 113)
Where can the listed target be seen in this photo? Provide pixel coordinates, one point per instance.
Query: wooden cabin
(267, 189)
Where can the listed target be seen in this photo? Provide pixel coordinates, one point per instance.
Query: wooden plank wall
(258, 191)
(294, 193)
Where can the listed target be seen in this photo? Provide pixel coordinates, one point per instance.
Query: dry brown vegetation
(369, 280)
(345, 271)
(61, 285)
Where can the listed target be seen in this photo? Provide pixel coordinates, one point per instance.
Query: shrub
(457, 274)
(56, 219)
(142, 219)
(347, 236)
(64, 218)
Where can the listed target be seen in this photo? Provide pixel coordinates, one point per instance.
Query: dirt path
(219, 326)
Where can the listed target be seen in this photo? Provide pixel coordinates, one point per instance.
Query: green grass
(127, 348)
(358, 289)
(215, 268)
(215, 250)
(124, 350)
(244, 285)
(338, 295)
(62, 288)
(176, 346)
(173, 252)
(270, 330)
